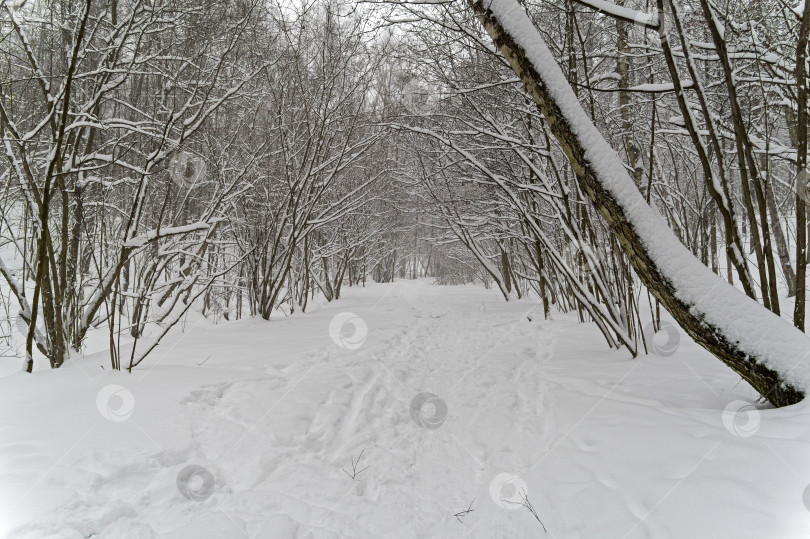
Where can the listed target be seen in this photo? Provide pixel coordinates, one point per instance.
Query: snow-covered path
(273, 414)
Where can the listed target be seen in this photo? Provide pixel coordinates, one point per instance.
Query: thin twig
(355, 472)
(524, 497)
(466, 511)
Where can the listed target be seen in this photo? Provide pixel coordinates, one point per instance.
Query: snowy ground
(271, 414)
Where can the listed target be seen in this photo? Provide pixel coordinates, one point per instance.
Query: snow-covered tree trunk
(765, 350)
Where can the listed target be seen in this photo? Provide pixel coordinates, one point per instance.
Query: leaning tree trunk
(765, 350)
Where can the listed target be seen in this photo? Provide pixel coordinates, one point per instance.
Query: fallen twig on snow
(355, 472)
(466, 512)
(524, 501)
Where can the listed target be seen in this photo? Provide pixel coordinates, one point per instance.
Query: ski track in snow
(607, 445)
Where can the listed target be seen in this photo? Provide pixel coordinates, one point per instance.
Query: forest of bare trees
(244, 158)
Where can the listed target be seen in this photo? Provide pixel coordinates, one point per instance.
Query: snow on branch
(142, 239)
(640, 18)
